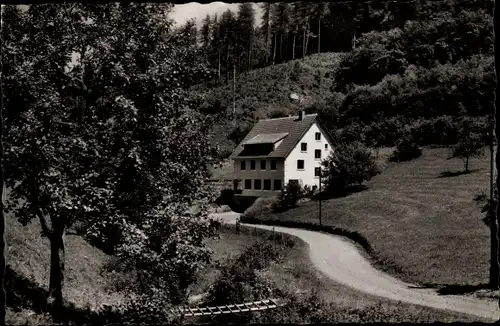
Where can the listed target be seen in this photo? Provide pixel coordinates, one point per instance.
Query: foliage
(470, 144)
(262, 206)
(290, 195)
(407, 149)
(113, 139)
(441, 130)
(241, 279)
(295, 74)
(349, 164)
(487, 205)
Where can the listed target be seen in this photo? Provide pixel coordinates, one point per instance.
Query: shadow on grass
(22, 293)
(454, 289)
(449, 174)
(325, 195)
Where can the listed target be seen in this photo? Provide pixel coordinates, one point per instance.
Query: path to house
(340, 260)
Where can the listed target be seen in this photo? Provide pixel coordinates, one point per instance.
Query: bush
(223, 209)
(262, 206)
(349, 164)
(241, 281)
(442, 130)
(279, 113)
(289, 196)
(407, 149)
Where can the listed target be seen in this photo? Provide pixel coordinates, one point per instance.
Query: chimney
(302, 114)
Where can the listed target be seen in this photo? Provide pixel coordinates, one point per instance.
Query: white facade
(286, 169)
(306, 176)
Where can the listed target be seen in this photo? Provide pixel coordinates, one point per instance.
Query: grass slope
(90, 284)
(427, 224)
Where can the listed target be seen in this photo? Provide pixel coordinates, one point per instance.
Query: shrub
(262, 206)
(223, 209)
(290, 195)
(349, 164)
(241, 281)
(279, 113)
(407, 149)
(442, 130)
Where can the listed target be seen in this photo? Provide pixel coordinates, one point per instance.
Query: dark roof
(292, 125)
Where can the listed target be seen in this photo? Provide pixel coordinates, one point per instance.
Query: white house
(280, 150)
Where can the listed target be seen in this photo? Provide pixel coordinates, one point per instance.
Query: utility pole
(320, 196)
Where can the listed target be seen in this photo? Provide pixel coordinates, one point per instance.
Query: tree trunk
(274, 49)
(307, 39)
(281, 47)
(304, 44)
(293, 46)
(467, 165)
(57, 257)
(319, 35)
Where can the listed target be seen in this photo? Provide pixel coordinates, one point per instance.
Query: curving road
(341, 261)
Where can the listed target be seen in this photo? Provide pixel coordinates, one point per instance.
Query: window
(256, 184)
(317, 172)
(303, 147)
(326, 146)
(318, 136)
(317, 154)
(243, 165)
(267, 184)
(252, 165)
(277, 184)
(263, 164)
(273, 165)
(248, 184)
(300, 164)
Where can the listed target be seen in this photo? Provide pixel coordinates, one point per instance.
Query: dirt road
(340, 260)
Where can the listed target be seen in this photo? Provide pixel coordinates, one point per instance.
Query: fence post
(274, 241)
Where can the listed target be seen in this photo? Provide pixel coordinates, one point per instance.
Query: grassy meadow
(419, 215)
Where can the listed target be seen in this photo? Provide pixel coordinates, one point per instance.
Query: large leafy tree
(110, 139)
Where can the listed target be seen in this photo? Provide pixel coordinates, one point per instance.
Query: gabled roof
(294, 127)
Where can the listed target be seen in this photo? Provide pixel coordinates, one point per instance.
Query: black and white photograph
(250, 162)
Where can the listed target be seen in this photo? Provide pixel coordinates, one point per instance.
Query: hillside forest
(374, 71)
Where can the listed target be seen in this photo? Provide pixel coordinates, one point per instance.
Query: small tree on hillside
(470, 144)
(349, 164)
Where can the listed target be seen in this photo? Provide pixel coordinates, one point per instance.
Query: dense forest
(373, 70)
